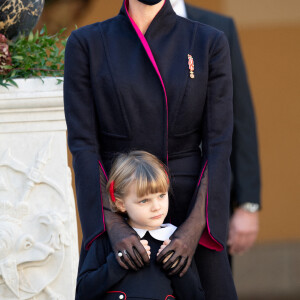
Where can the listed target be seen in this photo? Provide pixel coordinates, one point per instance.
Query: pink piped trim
(103, 170)
(104, 228)
(151, 57)
(101, 195)
(169, 296)
(87, 247)
(202, 173)
(110, 292)
(206, 239)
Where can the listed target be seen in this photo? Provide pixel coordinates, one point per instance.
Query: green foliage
(36, 55)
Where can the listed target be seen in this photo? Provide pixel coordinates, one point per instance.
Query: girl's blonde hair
(149, 173)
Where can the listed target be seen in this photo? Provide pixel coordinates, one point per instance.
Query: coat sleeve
(83, 137)
(189, 285)
(99, 272)
(244, 157)
(217, 130)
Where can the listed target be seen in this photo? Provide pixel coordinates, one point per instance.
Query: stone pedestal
(38, 232)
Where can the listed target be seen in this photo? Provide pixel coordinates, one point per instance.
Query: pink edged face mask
(149, 2)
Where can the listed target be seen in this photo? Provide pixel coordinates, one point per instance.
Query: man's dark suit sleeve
(244, 157)
(99, 272)
(83, 137)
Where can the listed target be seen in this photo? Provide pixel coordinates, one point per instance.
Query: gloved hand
(125, 240)
(122, 237)
(177, 256)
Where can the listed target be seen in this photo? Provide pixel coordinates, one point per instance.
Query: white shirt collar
(179, 7)
(160, 234)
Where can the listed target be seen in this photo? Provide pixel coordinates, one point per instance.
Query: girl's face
(146, 212)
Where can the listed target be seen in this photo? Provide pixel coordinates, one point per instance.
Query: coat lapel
(167, 46)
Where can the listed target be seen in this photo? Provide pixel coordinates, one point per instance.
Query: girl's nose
(155, 204)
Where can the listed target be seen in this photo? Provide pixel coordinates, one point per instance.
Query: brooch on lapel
(191, 65)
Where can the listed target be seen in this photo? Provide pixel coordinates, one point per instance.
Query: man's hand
(243, 230)
(125, 240)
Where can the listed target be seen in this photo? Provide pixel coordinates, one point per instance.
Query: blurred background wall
(269, 33)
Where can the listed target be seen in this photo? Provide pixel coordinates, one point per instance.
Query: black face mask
(150, 2)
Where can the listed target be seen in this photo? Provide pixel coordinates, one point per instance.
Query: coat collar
(160, 234)
(164, 20)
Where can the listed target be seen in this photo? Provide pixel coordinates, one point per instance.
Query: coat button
(121, 297)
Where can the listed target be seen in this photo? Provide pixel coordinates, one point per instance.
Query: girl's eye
(144, 201)
(162, 195)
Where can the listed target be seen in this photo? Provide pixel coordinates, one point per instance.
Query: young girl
(138, 188)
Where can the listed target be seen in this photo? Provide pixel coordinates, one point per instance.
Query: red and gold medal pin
(191, 65)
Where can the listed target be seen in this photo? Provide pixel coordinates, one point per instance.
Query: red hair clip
(111, 191)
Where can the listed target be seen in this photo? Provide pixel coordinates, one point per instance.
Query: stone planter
(38, 232)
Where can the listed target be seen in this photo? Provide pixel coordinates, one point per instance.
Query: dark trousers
(215, 274)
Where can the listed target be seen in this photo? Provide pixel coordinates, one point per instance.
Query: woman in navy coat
(168, 91)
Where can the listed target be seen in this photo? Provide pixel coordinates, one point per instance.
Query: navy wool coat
(101, 277)
(124, 90)
(244, 157)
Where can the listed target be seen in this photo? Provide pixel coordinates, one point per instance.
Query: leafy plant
(36, 55)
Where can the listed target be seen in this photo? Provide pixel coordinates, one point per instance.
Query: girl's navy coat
(101, 277)
(125, 91)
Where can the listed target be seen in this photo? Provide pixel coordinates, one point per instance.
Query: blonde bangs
(151, 181)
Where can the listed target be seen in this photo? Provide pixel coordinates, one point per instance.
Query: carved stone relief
(38, 236)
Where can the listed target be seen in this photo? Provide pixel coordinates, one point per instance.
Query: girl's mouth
(157, 217)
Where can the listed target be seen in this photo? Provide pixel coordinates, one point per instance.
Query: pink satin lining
(104, 228)
(151, 57)
(206, 239)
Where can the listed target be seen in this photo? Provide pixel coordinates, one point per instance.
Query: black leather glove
(177, 256)
(122, 237)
